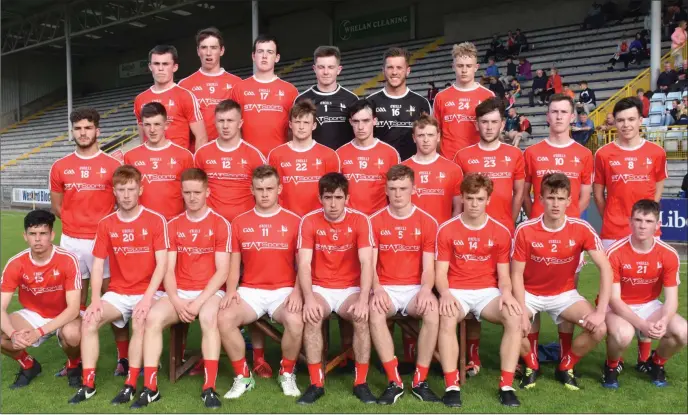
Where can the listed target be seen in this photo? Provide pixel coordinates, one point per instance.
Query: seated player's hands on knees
(592, 321)
(507, 300)
(359, 310)
(425, 301)
(658, 329)
(94, 312)
(231, 297)
(449, 305)
(184, 311)
(380, 302)
(20, 339)
(193, 308)
(141, 310)
(295, 301)
(312, 310)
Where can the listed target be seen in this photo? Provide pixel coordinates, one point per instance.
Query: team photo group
(247, 200)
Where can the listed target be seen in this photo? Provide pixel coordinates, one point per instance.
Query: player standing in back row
(454, 107)
(396, 106)
(264, 98)
(330, 98)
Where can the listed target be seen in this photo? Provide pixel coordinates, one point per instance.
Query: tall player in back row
(454, 107)
(330, 98)
(396, 106)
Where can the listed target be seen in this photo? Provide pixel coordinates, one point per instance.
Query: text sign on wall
(131, 69)
(674, 218)
(370, 25)
(38, 196)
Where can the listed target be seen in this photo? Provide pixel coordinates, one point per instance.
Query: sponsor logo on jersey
(150, 178)
(626, 178)
(614, 163)
(114, 235)
(131, 250)
(181, 235)
(192, 250)
(69, 171)
(359, 177)
(333, 248)
(348, 162)
(459, 118)
(321, 232)
(263, 107)
(248, 230)
(300, 179)
(569, 174)
(472, 257)
(265, 245)
(449, 104)
(380, 109)
(572, 242)
(170, 103)
(659, 265)
(227, 176)
(84, 186)
(399, 248)
(458, 242)
(327, 119)
(498, 174)
(249, 94)
(139, 163)
(210, 162)
(394, 124)
(648, 161)
(627, 266)
(42, 290)
(208, 102)
(639, 281)
(551, 260)
(421, 191)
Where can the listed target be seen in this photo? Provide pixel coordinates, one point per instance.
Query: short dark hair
(561, 97)
(263, 172)
(195, 174)
(360, 105)
(396, 52)
(646, 206)
(554, 182)
(85, 113)
(473, 182)
(227, 105)
(400, 172)
(211, 31)
(163, 49)
(152, 109)
(423, 121)
(583, 83)
(330, 182)
(301, 108)
(39, 217)
(264, 38)
(489, 105)
(326, 52)
(628, 103)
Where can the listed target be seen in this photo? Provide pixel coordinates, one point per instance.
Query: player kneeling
(642, 265)
(264, 240)
(472, 276)
(403, 263)
(197, 269)
(49, 285)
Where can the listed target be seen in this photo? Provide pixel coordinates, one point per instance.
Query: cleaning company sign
(370, 25)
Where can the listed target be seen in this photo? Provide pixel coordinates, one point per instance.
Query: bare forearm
(214, 285)
(67, 315)
(659, 189)
(516, 204)
(527, 202)
(600, 201)
(305, 280)
(6, 323)
(621, 309)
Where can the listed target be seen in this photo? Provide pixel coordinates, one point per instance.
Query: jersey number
(395, 112)
(464, 105)
(554, 247)
(362, 164)
(84, 174)
(263, 95)
(423, 178)
(226, 164)
(155, 165)
(630, 164)
(127, 237)
(301, 166)
(212, 89)
(490, 163)
(265, 231)
(642, 269)
(473, 245)
(559, 161)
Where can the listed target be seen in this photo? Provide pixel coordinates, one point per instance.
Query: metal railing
(674, 140)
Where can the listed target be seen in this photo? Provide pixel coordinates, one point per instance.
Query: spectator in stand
(515, 88)
(678, 41)
(667, 78)
(610, 11)
(539, 88)
(587, 97)
(496, 48)
(512, 134)
(510, 43)
(594, 19)
(638, 51)
(510, 72)
(569, 92)
(510, 100)
(432, 92)
(554, 85)
(646, 102)
(496, 87)
(492, 68)
(521, 41)
(680, 85)
(582, 129)
(602, 130)
(675, 110)
(525, 127)
(525, 71)
(623, 54)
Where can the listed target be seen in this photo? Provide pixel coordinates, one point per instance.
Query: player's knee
(600, 332)
(680, 335)
(377, 317)
(447, 324)
(360, 326)
(431, 317)
(153, 322)
(622, 335)
(89, 327)
(511, 322)
(70, 334)
(293, 322)
(226, 320)
(139, 327)
(208, 320)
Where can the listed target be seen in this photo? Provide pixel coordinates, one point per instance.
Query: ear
(175, 67)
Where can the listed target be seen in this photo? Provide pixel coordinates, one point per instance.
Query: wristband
(11, 335)
(40, 331)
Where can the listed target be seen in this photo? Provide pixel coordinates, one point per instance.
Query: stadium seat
(657, 107)
(673, 95)
(670, 145)
(645, 122)
(658, 97)
(656, 120)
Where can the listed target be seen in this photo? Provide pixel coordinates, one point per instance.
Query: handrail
(676, 148)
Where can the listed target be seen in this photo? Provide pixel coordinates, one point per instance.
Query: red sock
(533, 340)
(286, 366)
(569, 361)
(258, 354)
(241, 367)
(210, 373)
(89, 377)
(410, 344)
(132, 376)
(644, 349)
(122, 349)
(82, 307)
(73, 363)
(316, 373)
(658, 360)
(420, 375)
(565, 340)
(25, 360)
(531, 361)
(392, 371)
(612, 364)
(150, 377)
(473, 351)
(361, 372)
(451, 379)
(506, 379)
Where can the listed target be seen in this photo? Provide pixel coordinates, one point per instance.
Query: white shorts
(192, 294)
(125, 304)
(473, 301)
(264, 301)
(335, 297)
(401, 296)
(83, 249)
(36, 320)
(553, 305)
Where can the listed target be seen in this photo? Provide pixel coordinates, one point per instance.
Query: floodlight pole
(655, 42)
(254, 24)
(68, 53)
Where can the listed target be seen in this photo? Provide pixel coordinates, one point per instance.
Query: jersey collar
(217, 144)
(346, 210)
(413, 210)
(165, 147)
(542, 221)
(164, 90)
(499, 144)
(384, 91)
(88, 157)
(264, 82)
(356, 146)
(50, 258)
(487, 219)
(205, 215)
(315, 90)
(637, 251)
(472, 88)
(222, 72)
(269, 215)
(289, 144)
(425, 163)
(642, 143)
(569, 144)
(141, 209)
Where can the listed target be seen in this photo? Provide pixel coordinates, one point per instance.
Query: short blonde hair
(465, 49)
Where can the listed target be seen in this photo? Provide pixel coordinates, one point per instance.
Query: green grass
(636, 395)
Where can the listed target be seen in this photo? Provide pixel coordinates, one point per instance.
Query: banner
(370, 25)
(37, 196)
(674, 218)
(131, 69)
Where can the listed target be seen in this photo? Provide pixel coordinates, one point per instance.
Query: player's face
(555, 202)
(627, 123)
(127, 195)
(560, 116)
(334, 204)
(363, 123)
(195, 194)
(644, 225)
(399, 192)
(302, 127)
(39, 238)
(266, 191)
(85, 133)
(210, 51)
(475, 204)
(154, 128)
(228, 124)
(265, 56)
(490, 126)
(163, 68)
(426, 138)
(326, 70)
(465, 68)
(396, 70)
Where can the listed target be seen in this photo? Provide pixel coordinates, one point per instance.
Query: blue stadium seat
(658, 97)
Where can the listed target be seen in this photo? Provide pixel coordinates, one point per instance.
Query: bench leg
(176, 368)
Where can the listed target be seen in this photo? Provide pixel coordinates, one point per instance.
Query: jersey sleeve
(527, 163)
(306, 237)
(234, 238)
(56, 182)
(587, 173)
(671, 267)
(599, 176)
(456, 191)
(188, 160)
(437, 110)
(10, 276)
(429, 235)
(160, 238)
(223, 236)
(520, 167)
(661, 172)
(364, 233)
(443, 245)
(375, 223)
(198, 159)
(615, 262)
(72, 274)
(172, 235)
(190, 108)
(425, 105)
(332, 164)
(520, 249)
(504, 248)
(591, 242)
(101, 247)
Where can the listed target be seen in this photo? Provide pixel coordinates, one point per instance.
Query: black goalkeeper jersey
(333, 129)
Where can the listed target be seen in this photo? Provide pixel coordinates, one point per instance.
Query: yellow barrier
(290, 68)
(676, 147)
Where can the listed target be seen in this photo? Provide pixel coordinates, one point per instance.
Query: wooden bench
(177, 365)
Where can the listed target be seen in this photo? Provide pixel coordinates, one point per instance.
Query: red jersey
(401, 242)
(628, 175)
(209, 90)
(473, 253)
(437, 183)
(86, 186)
(182, 110)
(196, 241)
(42, 287)
(643, 274)
(131, 246)
(366, 169)
(229, 176)
(503, 165)
(265, 109)
(552, 255)
(335, 247)
(572, 159)
(161, 170)
(454, 109)
(300, 171)
(267, 244)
